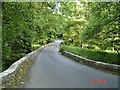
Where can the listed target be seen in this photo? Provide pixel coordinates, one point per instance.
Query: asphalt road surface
(52, 70)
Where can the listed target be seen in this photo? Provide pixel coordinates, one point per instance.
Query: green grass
(35, 46)
(106, 57)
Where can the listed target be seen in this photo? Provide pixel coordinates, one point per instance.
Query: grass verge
(101, 56)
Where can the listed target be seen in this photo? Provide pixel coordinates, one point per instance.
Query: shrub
(102, 56)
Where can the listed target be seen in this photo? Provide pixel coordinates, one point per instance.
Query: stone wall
(112, 68)
(12, 76)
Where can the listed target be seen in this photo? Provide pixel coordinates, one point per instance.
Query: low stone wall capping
(11, 72)
(101, 65)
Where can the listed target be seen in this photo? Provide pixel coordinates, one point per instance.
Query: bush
(106, 57)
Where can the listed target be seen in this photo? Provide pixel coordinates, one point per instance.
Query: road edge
(110, 68)
(18, 69)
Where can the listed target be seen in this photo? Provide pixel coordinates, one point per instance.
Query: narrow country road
(52, 70)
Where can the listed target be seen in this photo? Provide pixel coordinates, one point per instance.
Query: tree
(103, 29)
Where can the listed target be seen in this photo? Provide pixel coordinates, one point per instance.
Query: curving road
(52, 70)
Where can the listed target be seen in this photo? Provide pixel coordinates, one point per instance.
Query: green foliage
(16, 34)
(106, 57)
(35, 46)
(76, 23)
(49, 27)
(103, 28)
(25, 24)
(93, 25)
(89, 25)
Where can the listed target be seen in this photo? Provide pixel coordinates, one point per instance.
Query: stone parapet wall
(18, 69)
(112, 68)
